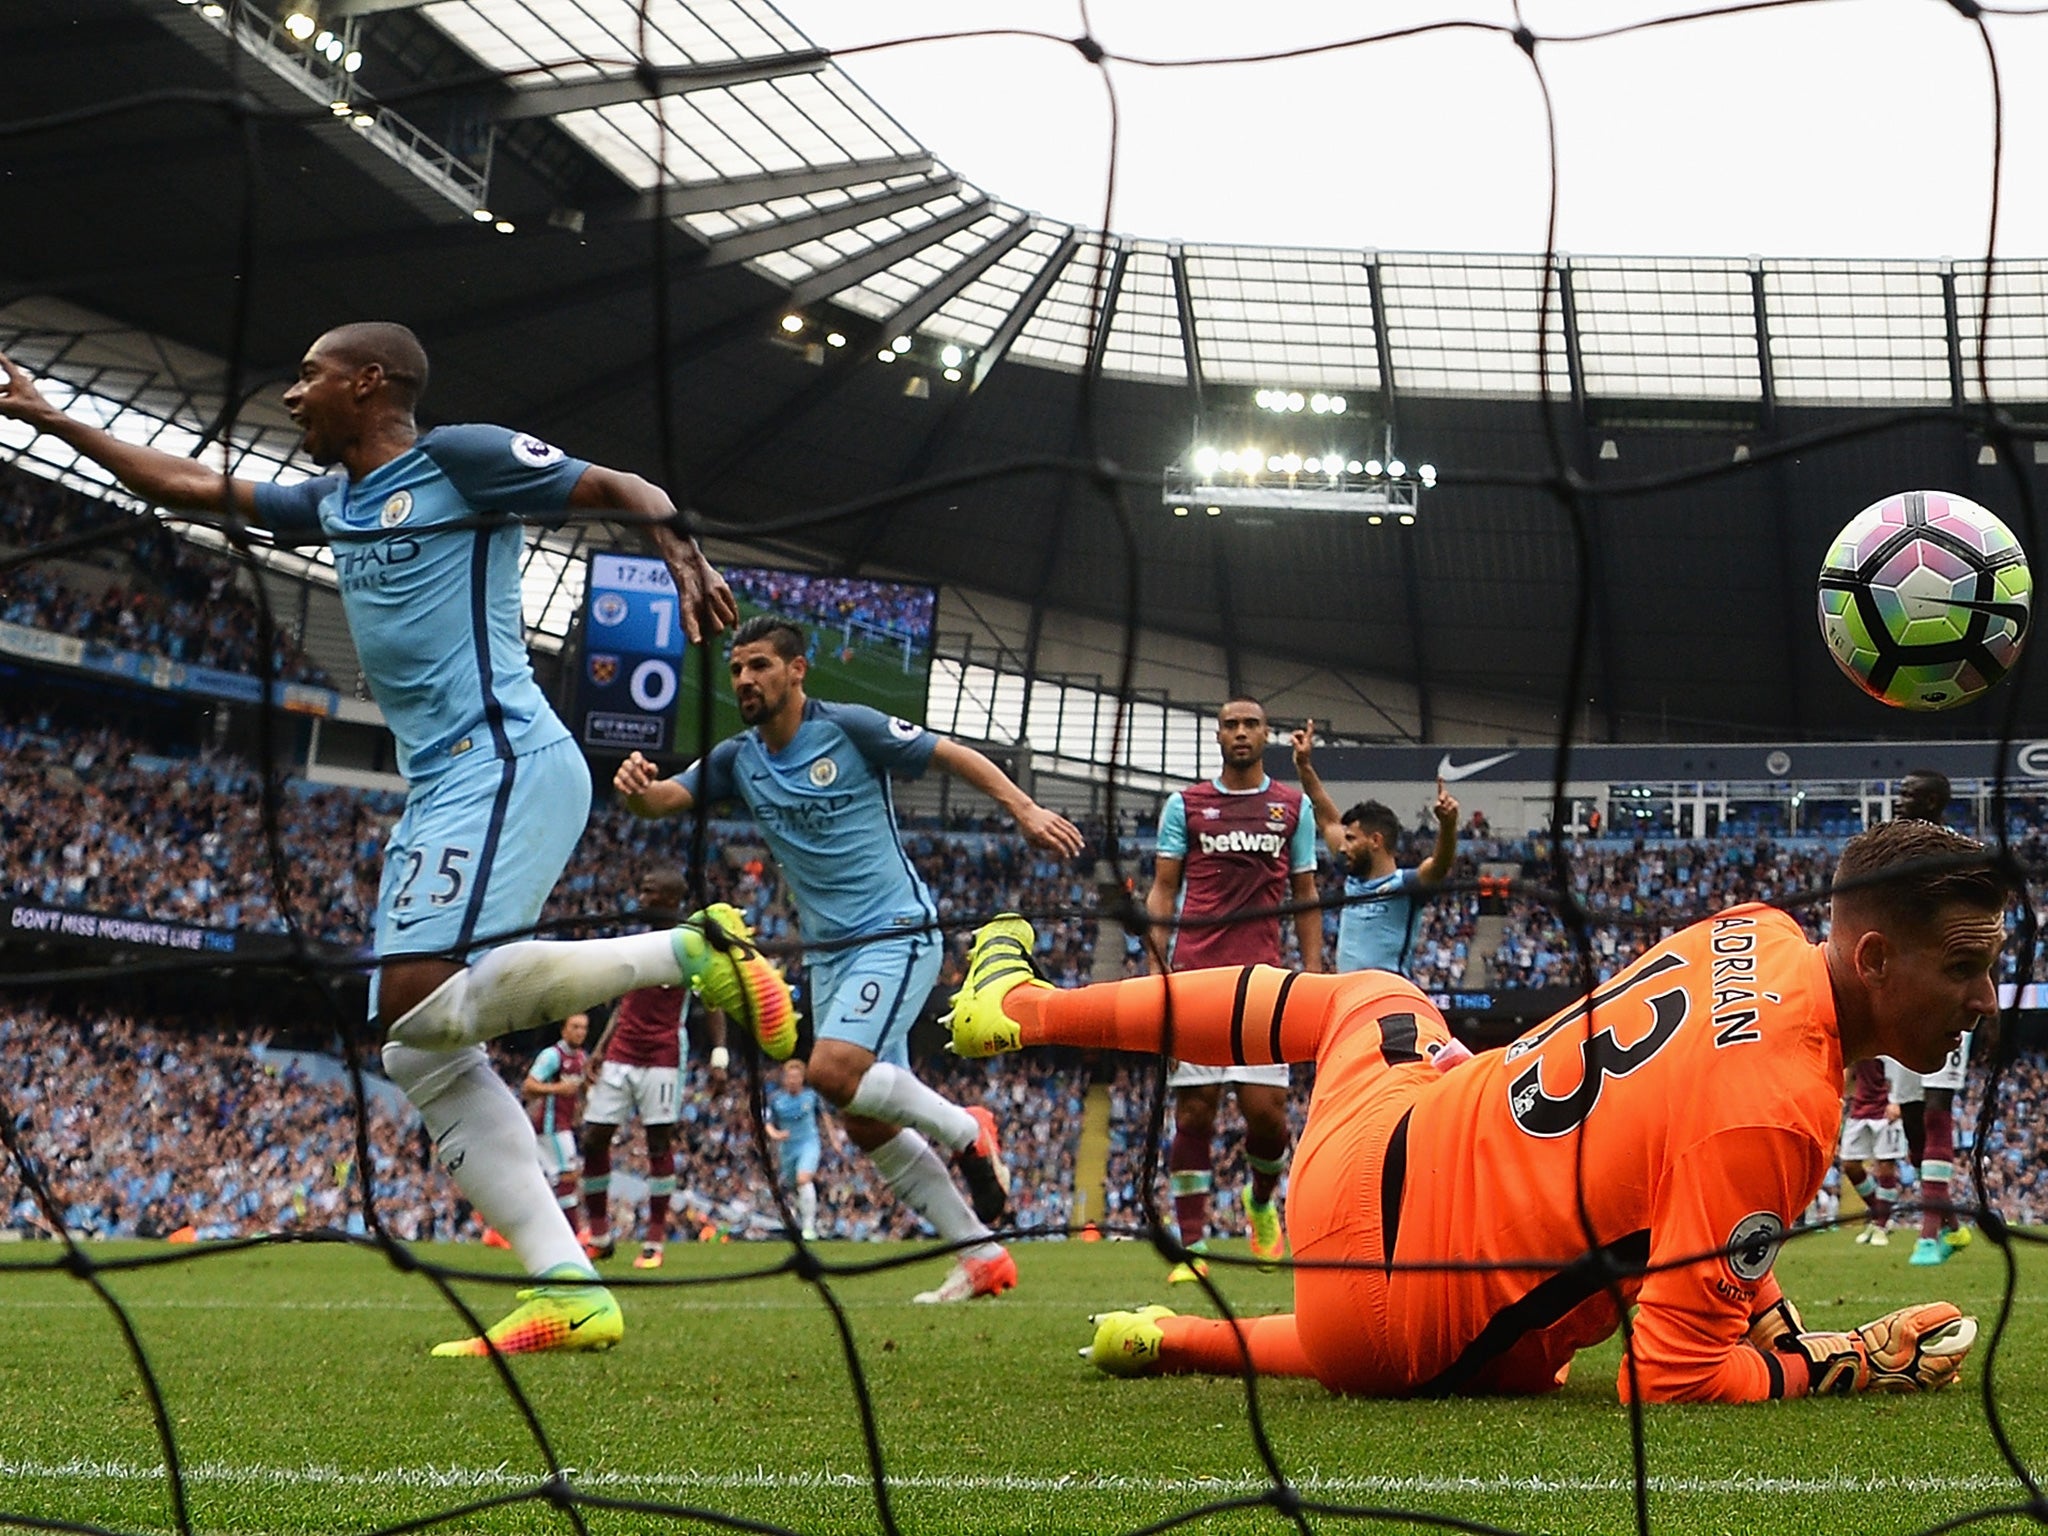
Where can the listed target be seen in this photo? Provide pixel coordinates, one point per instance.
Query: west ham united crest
(603, 670)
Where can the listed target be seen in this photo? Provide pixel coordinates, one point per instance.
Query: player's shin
(914, 1173)
(484, 1141)
(1222, 1017)
(526, 985)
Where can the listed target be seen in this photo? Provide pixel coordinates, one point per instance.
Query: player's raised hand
(1304, 741)
(635, 776)
(1446, 807)
(1050, 830)
(19, 398)
(706, 601)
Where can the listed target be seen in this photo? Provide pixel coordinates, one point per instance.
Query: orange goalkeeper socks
(1232, 1016)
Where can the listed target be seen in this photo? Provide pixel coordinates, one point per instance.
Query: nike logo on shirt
(1451, 774)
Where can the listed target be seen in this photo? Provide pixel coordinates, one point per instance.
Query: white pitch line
(480, 1479)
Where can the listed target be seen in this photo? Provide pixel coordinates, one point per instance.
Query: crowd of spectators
(90, 820)
(142, 1130)
(195, 1129)
(159, 594)
(900, 609)
(179, 838)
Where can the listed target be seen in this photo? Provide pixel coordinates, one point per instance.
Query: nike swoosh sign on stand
(1451, 774)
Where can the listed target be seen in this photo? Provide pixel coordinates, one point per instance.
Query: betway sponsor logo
(1268, 843)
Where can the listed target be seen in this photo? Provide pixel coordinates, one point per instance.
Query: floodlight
(213, 10)
(1213, 511)
(1407, 519)
(1207, 460)
(885, 356)
(792, 323)
(301, 25)
(1274, 463)
(1319, 403)
(1265, 399)
(338, 108)
(503, 226)
(950, 356)
(1294, 400)
(481, 215)
(1396, 468)
(362, 122)
(952, 375)
(1291, 463)
(1354, 467)
(319, 42)
(834, 339)
(1336, 405)
(1313, 466)
(1180, 511)
(900, 345)
(1372, 466)
(352, 60)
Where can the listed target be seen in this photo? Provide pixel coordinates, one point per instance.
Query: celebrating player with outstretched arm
(1685, 1115)
(815, 776)
(1376, 929)
(427, 540)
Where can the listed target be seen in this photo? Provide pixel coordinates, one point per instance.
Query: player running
(1689, 1110)
(1931, 1142)
(638, 1063)
(427, 539)
(815, 777)
(553, 1084)
(1873, 1141)
(1382, 905)
(1234, 843)
(793, 1116)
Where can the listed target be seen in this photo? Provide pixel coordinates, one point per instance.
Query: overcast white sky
(1838, 128)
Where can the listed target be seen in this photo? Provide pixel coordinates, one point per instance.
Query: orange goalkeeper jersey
(1697, 1109)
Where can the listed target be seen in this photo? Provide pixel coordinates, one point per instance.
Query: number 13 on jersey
(632, 655)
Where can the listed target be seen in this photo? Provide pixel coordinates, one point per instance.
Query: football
(1925, 599)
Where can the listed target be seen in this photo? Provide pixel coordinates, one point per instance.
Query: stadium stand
(166, 596)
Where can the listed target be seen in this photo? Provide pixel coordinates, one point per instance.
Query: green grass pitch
(303, 1399)
(872, 675)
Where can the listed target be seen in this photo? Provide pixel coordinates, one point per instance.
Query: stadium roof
(510, 176)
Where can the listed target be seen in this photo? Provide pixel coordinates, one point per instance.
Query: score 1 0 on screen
(633, 644)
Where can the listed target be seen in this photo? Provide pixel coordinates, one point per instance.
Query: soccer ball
(1925, 599)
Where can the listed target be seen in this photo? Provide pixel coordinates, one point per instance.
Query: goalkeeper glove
(1915, 1349)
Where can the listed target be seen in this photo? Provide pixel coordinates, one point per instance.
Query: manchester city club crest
(608, 609)
(396, 509)
(604, 670)
(823, 772)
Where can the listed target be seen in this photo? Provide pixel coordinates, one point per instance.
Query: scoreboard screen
(633, 648)
(869, 642)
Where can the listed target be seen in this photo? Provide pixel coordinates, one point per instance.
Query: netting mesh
(236, 112)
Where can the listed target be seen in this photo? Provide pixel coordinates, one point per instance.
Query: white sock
(807, 1207)
(912, 1169)
(525, 985)
(891, 1095)
(485, 1142)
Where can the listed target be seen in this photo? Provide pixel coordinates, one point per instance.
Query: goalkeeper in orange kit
(1656, 1143)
